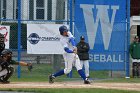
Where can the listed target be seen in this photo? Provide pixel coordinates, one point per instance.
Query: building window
(49, 17)
(31, 9)
(40, 3)
(3, 9)
(15, 9)
(40, 10)
(39, 13)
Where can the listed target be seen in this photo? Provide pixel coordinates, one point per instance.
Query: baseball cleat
(86, 81)
(51, 79)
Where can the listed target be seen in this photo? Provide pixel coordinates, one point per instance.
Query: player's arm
(87, 47)
(80, 48)
(72, 41)
(24, 63)
(67, 49)
(20, 63)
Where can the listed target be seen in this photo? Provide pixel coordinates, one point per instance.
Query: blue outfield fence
(103, 23)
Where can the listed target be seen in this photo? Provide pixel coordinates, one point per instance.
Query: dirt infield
(120, 86)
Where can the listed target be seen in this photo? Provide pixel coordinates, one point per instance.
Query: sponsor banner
(103, 23)
(6, 31)
(43, 39)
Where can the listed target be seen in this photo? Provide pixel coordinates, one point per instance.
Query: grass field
(71, 91)
(40, 73)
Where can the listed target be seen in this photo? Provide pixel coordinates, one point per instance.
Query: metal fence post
(71, 26)
(128, 40)
(19, 35)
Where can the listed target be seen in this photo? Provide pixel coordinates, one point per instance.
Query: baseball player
(6, 69)
(70, 56)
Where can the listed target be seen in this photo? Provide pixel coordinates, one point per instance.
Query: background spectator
(82, 51)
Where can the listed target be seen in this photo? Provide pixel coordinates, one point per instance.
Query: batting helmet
(63, 29)
(6, 52)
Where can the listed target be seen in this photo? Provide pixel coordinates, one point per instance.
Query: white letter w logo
(103, 17)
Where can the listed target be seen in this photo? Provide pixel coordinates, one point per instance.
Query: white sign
(43, 39)
(6, 31)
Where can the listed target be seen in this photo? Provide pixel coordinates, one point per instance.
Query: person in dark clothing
(82, 51)
(6, 68)
(135, 54)
(6, 62)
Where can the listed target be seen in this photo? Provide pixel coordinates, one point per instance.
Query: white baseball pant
(85, 63)
(70, 60)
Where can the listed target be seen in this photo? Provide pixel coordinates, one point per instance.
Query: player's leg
(86, 65)
(80, 71)
(68, 67)
(82, 63)
(79, 68)
(53, 76)
(3, 73)
(9, 74)
(139, 69)
(59, 73)
(134, 67)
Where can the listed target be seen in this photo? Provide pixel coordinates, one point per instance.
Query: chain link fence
(38, 12)
(35, 12)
